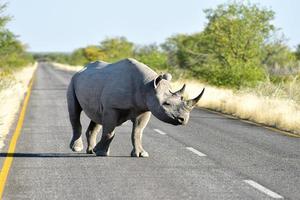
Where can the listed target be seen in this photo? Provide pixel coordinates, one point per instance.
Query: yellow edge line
(12, 146)
(255, 123)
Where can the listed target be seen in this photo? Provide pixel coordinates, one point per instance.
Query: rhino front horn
(192, 102)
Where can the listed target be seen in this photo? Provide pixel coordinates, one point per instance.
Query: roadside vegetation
(16, 70)
(239, 51)
(12, 52)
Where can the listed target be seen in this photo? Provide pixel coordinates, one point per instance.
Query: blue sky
(63, 25)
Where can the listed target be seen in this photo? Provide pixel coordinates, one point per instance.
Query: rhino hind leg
(74, 109)
(91, 135)
(76, 141)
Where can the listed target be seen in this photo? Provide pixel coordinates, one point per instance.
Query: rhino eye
(166, 104)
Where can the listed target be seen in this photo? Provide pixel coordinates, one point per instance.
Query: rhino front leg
(91, 135)
(139, 123)
(109, 123)
(102, 148)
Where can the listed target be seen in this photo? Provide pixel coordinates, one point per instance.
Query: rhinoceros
(111, 94)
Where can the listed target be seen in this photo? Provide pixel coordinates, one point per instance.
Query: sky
(64, 25)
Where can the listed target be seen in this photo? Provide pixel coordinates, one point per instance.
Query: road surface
(213, 157)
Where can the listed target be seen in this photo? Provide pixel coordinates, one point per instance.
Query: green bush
(152, 56)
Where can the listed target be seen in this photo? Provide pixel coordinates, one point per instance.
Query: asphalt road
(213, 157)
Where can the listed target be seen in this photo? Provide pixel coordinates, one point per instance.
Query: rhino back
(119, 85)
(97, 64)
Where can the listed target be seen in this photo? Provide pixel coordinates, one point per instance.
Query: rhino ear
(167, 76)
(157, 80)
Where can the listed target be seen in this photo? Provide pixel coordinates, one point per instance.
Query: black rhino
(111, 94)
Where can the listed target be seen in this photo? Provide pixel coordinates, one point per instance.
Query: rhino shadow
(54, 155)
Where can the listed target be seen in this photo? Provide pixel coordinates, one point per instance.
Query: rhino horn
(192, 102)
(181, 91)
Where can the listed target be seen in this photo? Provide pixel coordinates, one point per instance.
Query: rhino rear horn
(181, 91)
(192, 102)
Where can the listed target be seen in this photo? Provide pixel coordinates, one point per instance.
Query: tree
(236, 35)
(116, 48)
(186, 51)
(297, 52)
(12, 51)
(93, 53)
(229, 50)
(236, 32)
(278, 53)
(78, 57)
(152, 56)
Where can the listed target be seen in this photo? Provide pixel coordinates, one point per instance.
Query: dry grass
(11, 96)
(261, 106)
(284, 90)
(273, 105)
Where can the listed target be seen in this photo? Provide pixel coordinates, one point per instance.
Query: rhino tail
(73, 103)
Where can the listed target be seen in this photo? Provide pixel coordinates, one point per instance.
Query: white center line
(263, 189)
(160, 132)
(195, 151)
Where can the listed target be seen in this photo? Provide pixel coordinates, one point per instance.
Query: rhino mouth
(177, 120)
(177, 123)
(171, 118)
(173, 122)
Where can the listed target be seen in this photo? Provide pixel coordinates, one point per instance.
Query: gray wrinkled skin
(111, 94)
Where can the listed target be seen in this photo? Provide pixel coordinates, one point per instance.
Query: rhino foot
(90, 151)
(143, 154)
(101, 152)
(76, 145)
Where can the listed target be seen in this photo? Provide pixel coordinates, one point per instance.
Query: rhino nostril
(180, 119)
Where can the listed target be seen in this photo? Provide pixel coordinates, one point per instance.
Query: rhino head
(169, 106)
